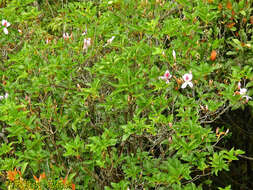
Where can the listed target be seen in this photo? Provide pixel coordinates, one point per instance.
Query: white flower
(187, 80)
(4, 97)
(166, 76)
(174, 55)
(86, 43)
(247, 98)
(243, 91)
(6, 31)
(110, 40)
(5, 23)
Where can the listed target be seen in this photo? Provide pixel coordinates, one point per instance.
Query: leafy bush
(122, 94)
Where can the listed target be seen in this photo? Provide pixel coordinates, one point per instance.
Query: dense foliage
(120, 94)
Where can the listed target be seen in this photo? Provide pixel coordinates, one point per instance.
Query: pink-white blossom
(5, 24)
(187, 80)
(243, 92)
(166, 77)
(5, 30)
(86, 43)
(247, 98)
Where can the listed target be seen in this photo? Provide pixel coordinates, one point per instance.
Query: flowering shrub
(90, 103)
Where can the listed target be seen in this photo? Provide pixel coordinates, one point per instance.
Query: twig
(217, 117)
(197, 177)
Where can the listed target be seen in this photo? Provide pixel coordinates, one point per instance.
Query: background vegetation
(86, 102)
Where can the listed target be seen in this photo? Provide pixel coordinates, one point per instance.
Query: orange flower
(230, 25)
(42, 176)
(213, 55)
(229, 5)
(73, 186)
(36, 179)
(220, 6)
(12, 174)
(64, 180)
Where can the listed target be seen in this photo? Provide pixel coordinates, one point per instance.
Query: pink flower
(166, 76)
(187, 80)
(86, 43)
(6, 24)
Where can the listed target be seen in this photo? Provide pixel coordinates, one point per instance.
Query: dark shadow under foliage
(240, 175)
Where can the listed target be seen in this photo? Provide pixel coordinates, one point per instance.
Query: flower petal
(162, 77)
(174, 54)
(239, 85)
(243, 91)
(190, 84)
(6, 31)
(110, 40)
(3, 22)
(247, 97)
(167, 74)
(7, 24)
(184, 85)
(187, 77)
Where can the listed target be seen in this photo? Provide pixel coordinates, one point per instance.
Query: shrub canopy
(122, 94)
